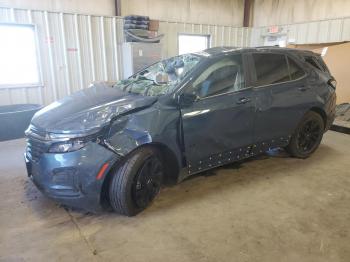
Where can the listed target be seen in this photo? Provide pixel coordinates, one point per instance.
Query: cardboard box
(152, 34)
(153, 25)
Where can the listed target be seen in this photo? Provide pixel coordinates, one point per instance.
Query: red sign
(49, 40)
(72, 49)
(273, 29)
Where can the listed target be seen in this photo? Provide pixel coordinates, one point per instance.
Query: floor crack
(81, 234)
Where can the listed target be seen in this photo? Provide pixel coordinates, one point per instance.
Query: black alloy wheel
(136, 181)
(147, 182)
(309, 136)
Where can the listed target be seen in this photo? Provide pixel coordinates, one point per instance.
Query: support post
(118, 11)
(246, 14)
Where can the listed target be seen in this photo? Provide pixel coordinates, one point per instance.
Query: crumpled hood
(52, 117)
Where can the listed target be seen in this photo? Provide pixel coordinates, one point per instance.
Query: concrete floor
(273, 208)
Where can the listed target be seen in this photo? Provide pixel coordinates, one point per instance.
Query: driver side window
(222, 76)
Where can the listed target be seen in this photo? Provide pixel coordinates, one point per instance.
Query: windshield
(160, 78)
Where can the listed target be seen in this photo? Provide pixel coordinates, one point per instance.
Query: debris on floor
(343, 112)
(342, 119)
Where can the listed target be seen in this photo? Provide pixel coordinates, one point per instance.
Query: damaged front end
(68, 154)
(73, 143)
(85, 116)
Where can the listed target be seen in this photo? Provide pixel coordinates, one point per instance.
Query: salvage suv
(116, 144)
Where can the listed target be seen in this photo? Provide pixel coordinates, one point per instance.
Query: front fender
(150, 126)
(126, 140)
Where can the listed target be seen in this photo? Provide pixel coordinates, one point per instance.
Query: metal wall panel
(315, 32)
(75, 50)
(219, 35)
(220, 12)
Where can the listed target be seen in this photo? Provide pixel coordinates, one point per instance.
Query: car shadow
(273, 153)
(201, 185)
(269, 165)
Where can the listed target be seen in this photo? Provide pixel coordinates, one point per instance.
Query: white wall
(75, 50)
(97, 7)
(219, 12)
(276, 12)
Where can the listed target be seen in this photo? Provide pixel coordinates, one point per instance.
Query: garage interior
(269, 208)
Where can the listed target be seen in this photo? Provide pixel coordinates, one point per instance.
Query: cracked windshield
(160, 78)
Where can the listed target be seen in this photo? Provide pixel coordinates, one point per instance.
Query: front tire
(307, 137)
(136, 182)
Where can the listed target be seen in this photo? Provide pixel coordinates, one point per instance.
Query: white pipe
(103, 43)
(65, 58)
(92, 59)
(77, 37)
(52, 69)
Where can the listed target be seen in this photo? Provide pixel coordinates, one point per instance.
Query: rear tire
(307, 136)
(136, 182)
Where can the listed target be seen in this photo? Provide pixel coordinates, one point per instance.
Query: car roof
(218, 51)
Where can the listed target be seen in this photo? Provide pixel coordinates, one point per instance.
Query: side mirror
(186, 99)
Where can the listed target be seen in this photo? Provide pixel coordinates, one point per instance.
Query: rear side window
(270, 69)
(313, 62)
(322, 64)
(295, 70)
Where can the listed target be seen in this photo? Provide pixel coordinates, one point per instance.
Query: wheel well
(170, 164)
(321, 112)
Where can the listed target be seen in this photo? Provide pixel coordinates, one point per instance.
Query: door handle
(303, 88)
(243, 100)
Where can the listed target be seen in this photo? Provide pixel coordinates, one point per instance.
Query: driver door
(218, 126)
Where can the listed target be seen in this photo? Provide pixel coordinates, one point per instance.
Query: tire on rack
(136, 182)
(307, 136)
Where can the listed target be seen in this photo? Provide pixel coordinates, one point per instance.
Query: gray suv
(116, 144)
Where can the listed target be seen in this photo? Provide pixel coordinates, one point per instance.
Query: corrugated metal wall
(75, 50)
(219, 35)
(315, 32)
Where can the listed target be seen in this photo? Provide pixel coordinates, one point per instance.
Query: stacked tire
(137, 29)
(136, 22)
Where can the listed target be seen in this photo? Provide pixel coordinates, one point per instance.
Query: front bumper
(70, 178)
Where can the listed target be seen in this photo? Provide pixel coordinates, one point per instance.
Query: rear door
(219, 124)
(281, 92)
